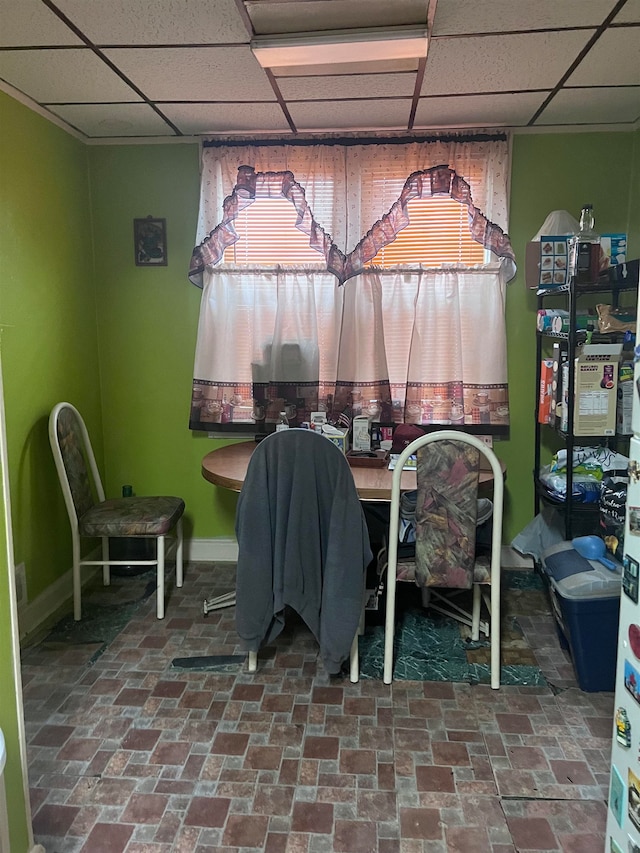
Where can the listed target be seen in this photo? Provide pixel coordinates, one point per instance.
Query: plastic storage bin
(586, 603)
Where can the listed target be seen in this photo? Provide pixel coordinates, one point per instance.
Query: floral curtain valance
(437, 180)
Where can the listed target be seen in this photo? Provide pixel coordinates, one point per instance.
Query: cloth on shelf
(590, 465)
(585, 487)
(594, 460)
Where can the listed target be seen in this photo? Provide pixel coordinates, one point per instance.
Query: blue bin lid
(575, 577)
(565, 563)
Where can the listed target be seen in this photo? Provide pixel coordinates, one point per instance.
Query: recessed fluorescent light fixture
(338, 46)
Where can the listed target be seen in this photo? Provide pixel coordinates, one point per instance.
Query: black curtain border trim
(350, 141)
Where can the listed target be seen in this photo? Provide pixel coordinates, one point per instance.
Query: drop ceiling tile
(478, 110)
(226, 118)
(67, 75)
(593, 106)
(309, 15)
(500, 63)
(629, 14)
(31, 23)
(352, 86)
(194, 73)
(614, 60)
(105, 120)
(455, 17)
(161, 22)
(351, 115)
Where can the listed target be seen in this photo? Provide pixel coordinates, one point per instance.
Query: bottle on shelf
(584, 248)
(227, 411)
(283, 422)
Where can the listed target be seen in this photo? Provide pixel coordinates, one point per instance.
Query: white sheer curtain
(421, 346)
(267, 341)
(409, 344)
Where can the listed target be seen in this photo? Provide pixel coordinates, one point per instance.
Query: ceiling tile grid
(162, 22)
(194, 74)
(130, 69)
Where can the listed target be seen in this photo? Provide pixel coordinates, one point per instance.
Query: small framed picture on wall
(150, 242)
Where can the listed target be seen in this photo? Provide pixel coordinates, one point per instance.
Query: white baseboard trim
(220, 550)
(225, 550)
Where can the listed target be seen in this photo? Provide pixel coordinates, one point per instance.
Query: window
(267, 235)
(339, 274)
(438, 233)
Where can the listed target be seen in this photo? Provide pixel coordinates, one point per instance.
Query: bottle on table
(584, 248)
(283, 422)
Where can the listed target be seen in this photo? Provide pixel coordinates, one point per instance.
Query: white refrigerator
(623, 814)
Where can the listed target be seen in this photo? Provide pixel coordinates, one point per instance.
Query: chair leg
(227, 599)
(354, 674)
(389, 627)
(354, 656)
(253, 662)
(106, 568)
(77, 587)
(475, 614)
(160, 583)
(354, 660)
(495, 632)
(179, 566)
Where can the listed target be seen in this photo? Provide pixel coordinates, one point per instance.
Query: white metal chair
(440, 525)
(92, 516)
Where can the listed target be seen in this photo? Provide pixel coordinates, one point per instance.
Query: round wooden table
(227, 466)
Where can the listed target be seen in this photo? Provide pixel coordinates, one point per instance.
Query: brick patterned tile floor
(129, 754)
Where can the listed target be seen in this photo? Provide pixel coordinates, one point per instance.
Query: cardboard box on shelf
(614, 247)
(625, 398)
(546, 390)
(555, 405)
(596, 385)
(546, 262)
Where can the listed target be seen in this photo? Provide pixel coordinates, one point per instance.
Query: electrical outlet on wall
(21, 584)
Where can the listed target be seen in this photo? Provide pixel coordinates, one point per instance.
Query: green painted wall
(10, 706)
(552, 172)
(49, 353)
(147, 321)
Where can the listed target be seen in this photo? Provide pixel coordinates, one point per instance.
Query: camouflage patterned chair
(445, 550)
(91, 516)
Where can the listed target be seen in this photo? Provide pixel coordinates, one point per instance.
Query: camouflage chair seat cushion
(406, 571)
(135, 516)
